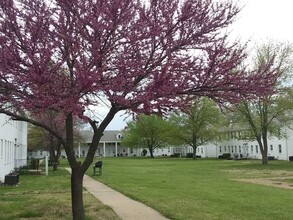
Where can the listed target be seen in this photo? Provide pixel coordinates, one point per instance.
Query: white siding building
(109, 146)
(13, 145)
(280, 149)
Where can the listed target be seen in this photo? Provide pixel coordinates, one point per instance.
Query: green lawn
(46, 197)
(202, 188)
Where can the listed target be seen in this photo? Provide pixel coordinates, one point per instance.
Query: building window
(232, 149)
(239, 149)
(220, 149)
(202, 150)
(271, 147)
(225, 148)
(256, 148)
(280, 148)
(229, 149)
(131, 150)
(251, 148)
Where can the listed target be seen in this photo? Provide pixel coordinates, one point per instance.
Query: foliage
(147, 131)
(40, 138)
(70, 55)
(225, 156)
(198, 124)
(35, 138)
(34, 163)
(144, 152)
(268, 115)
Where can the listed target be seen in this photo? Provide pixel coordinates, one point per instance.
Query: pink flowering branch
(140, 56)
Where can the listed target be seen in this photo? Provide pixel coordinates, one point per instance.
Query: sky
(258, 22)
(261, 20)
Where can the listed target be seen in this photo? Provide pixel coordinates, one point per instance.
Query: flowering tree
(141, 56)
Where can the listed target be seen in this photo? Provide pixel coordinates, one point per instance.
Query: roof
(109, 136)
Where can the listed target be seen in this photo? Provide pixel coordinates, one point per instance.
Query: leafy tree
(35, 135)
(149, 56)
(268, 114)
(147, 131)
(197, 124)
(39, 138)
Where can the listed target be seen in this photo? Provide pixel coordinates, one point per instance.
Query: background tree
(41, 139)
(197, 124)
(151, 56)
(147, 131)
(35, 136)
(267, 115)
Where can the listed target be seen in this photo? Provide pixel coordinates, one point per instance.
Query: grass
(201, 189)
(178, 188)
(46, 197)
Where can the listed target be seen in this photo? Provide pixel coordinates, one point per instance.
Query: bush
(291, 158)
(34, 164)
(189, 155)
(176, 155)
(225, 156)
(271, 157)
(144, 152)
(22, 170)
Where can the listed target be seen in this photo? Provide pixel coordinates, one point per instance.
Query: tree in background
(41, 139)
(150, 56)
(147, 131)
(268, 114)
(197, 124)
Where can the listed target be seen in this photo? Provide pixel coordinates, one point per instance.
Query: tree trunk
(78, 169)
(194, 152)
(151, 152)
(264, 160)
(194, 144)
(264, 151)
(76, 173)
(77, 195)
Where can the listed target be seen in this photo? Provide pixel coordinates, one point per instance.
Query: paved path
(124, 207)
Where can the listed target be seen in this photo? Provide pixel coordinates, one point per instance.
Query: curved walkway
(125, 208)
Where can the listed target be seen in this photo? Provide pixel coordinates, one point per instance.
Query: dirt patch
(279, 182)
(277, 178)
(269, 174)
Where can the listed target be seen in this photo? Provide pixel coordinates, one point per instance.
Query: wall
(13, 145)
(280, 149)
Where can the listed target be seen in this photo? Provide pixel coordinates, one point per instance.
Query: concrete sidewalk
(125, 208)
